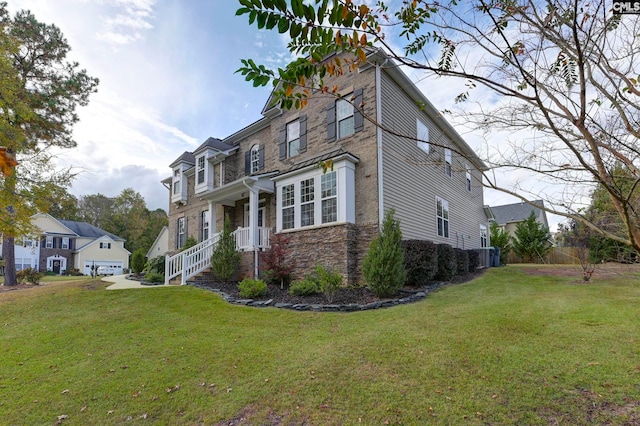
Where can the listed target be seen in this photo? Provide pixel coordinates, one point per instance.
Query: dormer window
(200, 172)
(176, 182)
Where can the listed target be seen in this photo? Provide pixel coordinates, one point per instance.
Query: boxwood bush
(304, 287)
(462, 259)
(252, 289)
(474, 259)
(420, 261)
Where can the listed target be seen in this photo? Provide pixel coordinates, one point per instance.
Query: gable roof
(186, 157)
(84, 229)
(213, 143)
(518, 212)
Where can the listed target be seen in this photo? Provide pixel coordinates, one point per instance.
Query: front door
(260, 215)
(56, 267)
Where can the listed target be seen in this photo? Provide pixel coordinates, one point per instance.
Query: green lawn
(508, 348)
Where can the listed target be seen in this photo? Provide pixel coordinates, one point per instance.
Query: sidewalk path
(120, 282)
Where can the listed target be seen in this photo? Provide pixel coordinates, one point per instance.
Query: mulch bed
(344, 296)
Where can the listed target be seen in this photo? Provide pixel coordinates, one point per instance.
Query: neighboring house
(160, 246)
(509, 215)
(266, 178)
(65, 244)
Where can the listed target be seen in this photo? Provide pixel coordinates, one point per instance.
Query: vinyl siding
(412, 179)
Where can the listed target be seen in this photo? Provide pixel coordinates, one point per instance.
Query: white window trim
(290, 141)
(345, 185)
(484, 236)
(49, 242)
(201, 167)
(205, 225)
(422, 139)
(446, 230)
(346, 117)
(447, 162)
(255, 158)
(468, 178)
(176, 184)
(181, 231)
(63, 245)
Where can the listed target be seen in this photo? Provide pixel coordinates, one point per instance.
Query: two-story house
(62, 245)
(266, 178)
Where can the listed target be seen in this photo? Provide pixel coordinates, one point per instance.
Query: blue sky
(168, 82)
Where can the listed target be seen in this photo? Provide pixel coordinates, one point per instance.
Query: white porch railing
(198, 258)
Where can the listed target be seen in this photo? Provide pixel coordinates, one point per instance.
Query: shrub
(474, 260)
(462, 260)
(188, 243)
(447, 264)
(278, 265)
(304, 287)
(28, 275)
(420, 261)
(383, 267)
(225, 260)
(329, 280)
(153, 277)
(155, 264)
(252, 289)
(137, 261)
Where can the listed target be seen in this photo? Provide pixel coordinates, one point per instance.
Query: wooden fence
(556, 256)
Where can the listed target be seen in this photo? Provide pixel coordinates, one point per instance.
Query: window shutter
(177, 233)
(282, 146)
(200, 226)
(186, 231)
(331, 122)
(261, 157)
(303, 133)
(247, 162)
(358, 119)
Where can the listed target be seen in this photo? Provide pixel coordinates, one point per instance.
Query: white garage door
(115, 265)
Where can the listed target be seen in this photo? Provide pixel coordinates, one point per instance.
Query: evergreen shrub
(420, 261)
(447, 263)
(252, 289)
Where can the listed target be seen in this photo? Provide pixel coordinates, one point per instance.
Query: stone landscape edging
(315, 307)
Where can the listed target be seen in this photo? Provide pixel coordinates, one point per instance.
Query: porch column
(213, 226)
(253, 218)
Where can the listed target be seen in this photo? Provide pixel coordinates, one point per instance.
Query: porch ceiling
(237, 190)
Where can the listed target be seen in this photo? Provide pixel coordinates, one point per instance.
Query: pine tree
(383, 266)
(225, 259)
(531, 239)
(501, 239)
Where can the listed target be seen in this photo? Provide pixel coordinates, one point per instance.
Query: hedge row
(426, 261)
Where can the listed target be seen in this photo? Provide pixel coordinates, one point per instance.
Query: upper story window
(468, 178)
(105, 245)
(447, 161)
(65, 243)
(254, 159)
(176, 182)
(422, 134)
(293, 138)
(314, 198)
(483, 236)
(343, 119)
(49, 242)
(200, 171)
(442, 215)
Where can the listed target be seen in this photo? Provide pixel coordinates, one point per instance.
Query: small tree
(137, 261)
(531, 239)
(383, 266)
(188, 243)
(501, 239)
(276, 258)
(225, 259)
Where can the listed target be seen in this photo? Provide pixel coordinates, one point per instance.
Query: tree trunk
(9, 256)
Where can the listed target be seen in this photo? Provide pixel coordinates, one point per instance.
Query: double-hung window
(422, 135)
(288, 206)
(307, 195)
(344, 118)
(468, 180)
(65, 243)
(483, 236)
(293, 138)
(201, 170)
(204, 220)
(181, 232)
(49, 242)
(329, 196)
(442, 215)
(255, 158)
(447, 162)
(176, 182)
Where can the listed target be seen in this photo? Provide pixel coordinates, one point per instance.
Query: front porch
(197, 259)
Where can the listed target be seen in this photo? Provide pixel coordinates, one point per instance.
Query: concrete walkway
(120, 282)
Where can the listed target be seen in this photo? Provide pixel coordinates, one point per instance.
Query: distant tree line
(125, 215)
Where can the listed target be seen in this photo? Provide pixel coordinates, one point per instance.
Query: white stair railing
(190, 262)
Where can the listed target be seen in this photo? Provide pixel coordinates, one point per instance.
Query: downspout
(252, 214)
(379, 144)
